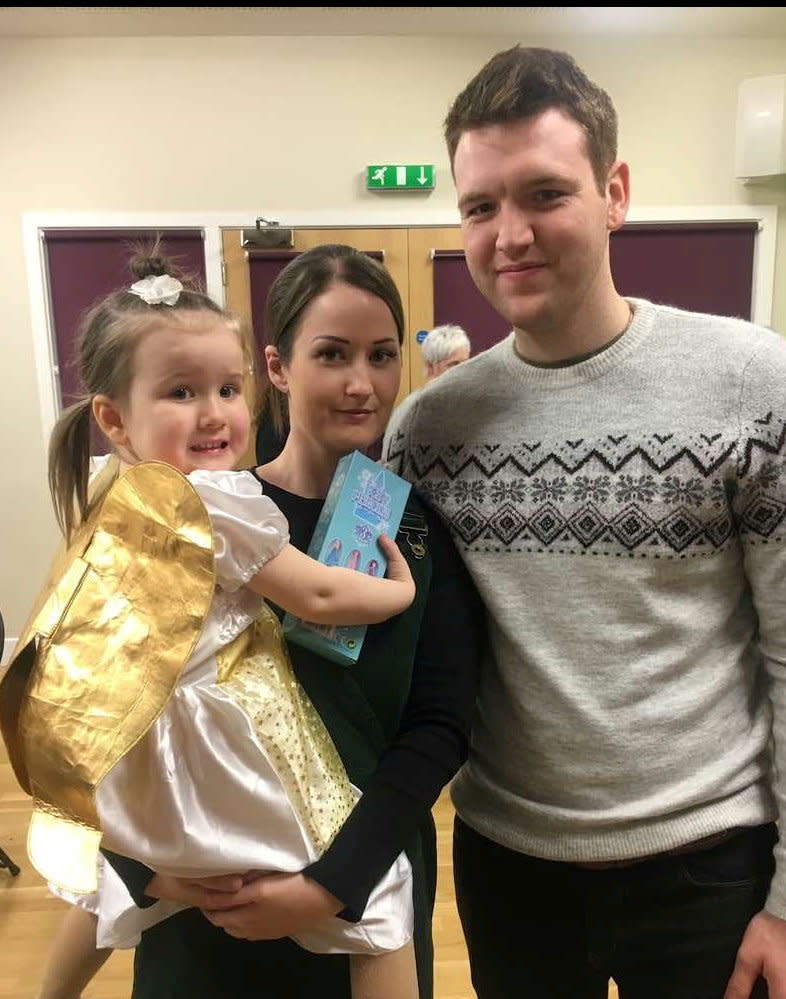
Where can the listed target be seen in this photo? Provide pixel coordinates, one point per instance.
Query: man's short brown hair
(520, 83)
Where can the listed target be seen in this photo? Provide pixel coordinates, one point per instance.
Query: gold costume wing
(119, 617)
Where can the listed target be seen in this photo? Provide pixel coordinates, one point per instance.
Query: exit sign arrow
(400, 177)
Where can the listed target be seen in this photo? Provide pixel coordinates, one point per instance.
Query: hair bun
(144, 265)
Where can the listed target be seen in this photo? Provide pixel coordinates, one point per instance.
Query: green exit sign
(400, 177)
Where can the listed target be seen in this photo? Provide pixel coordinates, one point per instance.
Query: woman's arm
(431, 743)
(430, 746)
(334, 595)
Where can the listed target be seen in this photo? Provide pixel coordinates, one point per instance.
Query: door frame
(398, 215)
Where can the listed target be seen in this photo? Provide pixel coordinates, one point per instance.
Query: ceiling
(718, 22)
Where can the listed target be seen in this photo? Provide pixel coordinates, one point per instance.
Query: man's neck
(586, 336)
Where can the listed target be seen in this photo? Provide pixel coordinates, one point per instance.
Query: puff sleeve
(248, 527)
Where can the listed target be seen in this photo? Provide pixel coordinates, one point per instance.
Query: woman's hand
(219, 892)
(273, 906)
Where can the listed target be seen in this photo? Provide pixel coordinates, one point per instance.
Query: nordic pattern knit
(623, 519)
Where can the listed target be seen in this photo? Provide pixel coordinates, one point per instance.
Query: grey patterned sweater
(623, 519)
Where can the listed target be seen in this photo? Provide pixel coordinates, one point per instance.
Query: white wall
(270, 124)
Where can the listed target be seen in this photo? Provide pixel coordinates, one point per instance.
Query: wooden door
(392, 242)
(422, 243)
(409, 257)
(442, 291)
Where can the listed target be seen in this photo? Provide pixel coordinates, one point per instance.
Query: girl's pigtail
(69, 465)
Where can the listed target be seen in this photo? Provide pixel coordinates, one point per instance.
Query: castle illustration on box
(364, 501)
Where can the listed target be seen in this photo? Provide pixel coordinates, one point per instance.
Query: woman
(399, 719)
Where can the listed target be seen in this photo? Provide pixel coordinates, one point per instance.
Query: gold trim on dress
(256, 672)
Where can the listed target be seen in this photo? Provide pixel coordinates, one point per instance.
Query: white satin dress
(235, 775)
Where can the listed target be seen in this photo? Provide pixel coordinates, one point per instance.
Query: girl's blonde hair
(106, 341)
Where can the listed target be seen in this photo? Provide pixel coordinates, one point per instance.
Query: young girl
(231, 760)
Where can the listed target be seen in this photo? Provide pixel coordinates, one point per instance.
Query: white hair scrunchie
(158, 289)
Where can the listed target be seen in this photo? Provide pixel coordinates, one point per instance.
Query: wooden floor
(29, 914)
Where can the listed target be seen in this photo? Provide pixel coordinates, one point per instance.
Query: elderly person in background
(444, 348)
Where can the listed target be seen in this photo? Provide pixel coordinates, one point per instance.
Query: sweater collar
(594, 365)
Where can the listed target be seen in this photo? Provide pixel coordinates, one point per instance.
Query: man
(614, 475)
(443, 348)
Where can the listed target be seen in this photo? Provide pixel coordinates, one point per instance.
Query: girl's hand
(398, 570)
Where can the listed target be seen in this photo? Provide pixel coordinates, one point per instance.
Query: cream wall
(258, 124)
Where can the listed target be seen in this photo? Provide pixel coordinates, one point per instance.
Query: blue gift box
(364, 500)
